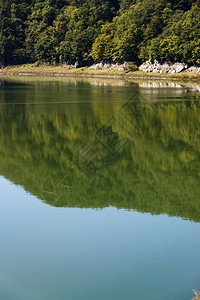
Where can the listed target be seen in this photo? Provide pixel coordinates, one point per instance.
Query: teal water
(99, 189)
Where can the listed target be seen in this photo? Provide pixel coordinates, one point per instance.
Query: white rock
(156, 67)
(193, 69)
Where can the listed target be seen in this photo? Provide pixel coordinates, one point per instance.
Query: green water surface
(99, 189)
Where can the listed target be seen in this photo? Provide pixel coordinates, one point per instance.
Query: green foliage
(103, 45)
(13, 17)
(179, 41)
(118, 30)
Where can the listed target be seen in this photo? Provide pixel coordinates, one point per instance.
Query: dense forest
(57, 31)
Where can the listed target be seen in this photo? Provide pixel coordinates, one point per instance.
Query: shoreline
(86, 72)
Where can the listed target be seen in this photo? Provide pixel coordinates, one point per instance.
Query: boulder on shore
(156, 67)
(113, 66)
(69, 65)
(194, 70)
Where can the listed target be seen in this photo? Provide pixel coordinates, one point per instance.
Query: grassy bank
(31, 69)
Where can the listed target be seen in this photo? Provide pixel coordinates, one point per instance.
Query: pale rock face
(156, 67)
(107, 66)
(71, 66)
(193, 69)
(148, 66)
(112, 66)
(97, 66)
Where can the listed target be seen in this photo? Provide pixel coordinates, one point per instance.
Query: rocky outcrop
(69, 66)
(112, 66)
(194, 70)
(156, 67)
(148, 66)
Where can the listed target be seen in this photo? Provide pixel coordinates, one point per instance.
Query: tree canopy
(92, 30)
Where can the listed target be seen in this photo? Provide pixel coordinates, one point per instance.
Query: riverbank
(33, 70)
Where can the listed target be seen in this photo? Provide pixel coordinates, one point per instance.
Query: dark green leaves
(118, 30)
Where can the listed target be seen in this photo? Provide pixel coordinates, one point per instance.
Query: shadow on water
(139, 154)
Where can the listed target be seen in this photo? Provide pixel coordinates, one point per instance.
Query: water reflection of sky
(72, 253)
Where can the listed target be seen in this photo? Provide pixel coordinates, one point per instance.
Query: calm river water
(99, 189)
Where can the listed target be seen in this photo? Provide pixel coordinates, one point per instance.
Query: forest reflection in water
(122, 148)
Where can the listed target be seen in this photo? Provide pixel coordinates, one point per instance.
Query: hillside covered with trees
(56, 31)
